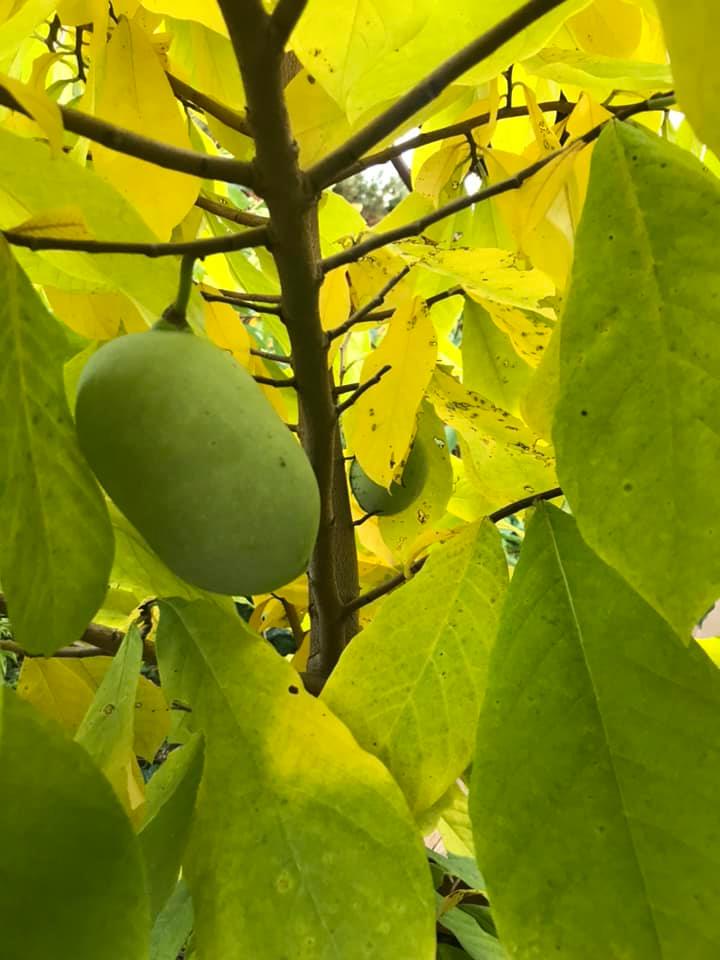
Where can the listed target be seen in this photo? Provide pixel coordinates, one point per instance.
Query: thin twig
(515, 507)
(363, 388)
(161, 154)
(255, 237)
(379, 316)
(326, 170)
(283, 21)
(220, 111)
(257, 297)
(271, 382)
(228, 212)
(363, 312)
(257, 307)
(364, 519)
(68, 653)
(416, 227)
(402, 171)
(293, 620)
(274, 357)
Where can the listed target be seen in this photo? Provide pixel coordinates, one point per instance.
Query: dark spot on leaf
(627, 487)
(583, 413)
(293, 689)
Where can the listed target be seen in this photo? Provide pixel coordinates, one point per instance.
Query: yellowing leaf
(502, 457)
(97, 316)
(67, 222)
(381, 424)
(334, 299)
(44, 111)
(207, 12)
(609, 27)
(106, 731)
(439, 169)
(692, 31)
(63, 689)
(135, 94)
(22, 23)
(411, 684)
(224, 327)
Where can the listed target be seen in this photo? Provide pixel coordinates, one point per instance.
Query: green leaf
(70, 866)
(410, 685)
(600, 74)
(32, 181)
(463, 867)
(491, 365)
(107, 731)
(479, 944)
(692, 33)
(170, 801)
(173, 926)
(636, 427)
(594, 787)
(55, 537)
(294, 821)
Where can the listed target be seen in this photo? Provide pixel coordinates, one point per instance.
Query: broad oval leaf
(294, 821)
(597, 769)
(70, 865)
(636, 427)
(410, 685)
(57, 541)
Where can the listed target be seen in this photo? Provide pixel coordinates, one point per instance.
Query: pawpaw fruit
(375, 499)
(186, 445)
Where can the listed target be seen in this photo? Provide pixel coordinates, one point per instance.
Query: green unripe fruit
(376, 499)
(187, 446)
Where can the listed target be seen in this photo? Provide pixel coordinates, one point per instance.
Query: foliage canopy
(421, 747)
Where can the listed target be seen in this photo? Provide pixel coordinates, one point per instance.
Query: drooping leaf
(106, 731)
(54, 577)
(491, 366)
(70, 866)
(599, 74)
(410, 685)
(63, 690)
(594, 782)
(284, 779)
(173, 925)
(381, 423)
(33, 182)
(479, 944)
(135, 94)
(170, 803)
(636, 425)
(695, 65)
(503, 458)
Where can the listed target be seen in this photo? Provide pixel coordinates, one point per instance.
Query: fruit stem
(176, 313)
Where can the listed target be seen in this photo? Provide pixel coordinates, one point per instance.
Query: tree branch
(293, 207)
(416, 227)
(256, 237)
(326, 170)
(363, 312)
(257, 307)
(228, 212)
(363, 388)
(220, 111)
(372, 595)
(144, 148)
(270, 382)
(76, 653)
(283, 21)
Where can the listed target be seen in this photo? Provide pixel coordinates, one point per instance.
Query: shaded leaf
(173, 925)
(53, 577)
(70, 866)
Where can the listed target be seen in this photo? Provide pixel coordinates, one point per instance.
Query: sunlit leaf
(410, 685)
(297, 781)
(605, 731)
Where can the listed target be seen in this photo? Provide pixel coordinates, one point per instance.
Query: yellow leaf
(225, 328)
(44, 111)
(90, 315)
(529, 331)
(334, 299)
(440, 168)
(318, 123)
(21, 24)
(135, 93)
(381, 424)
(207, 12)
(66, 222)
(63, 689)
(612, 28)
(586, 115)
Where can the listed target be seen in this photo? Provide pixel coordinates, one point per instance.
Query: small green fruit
(376, 499)
(187, 446)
